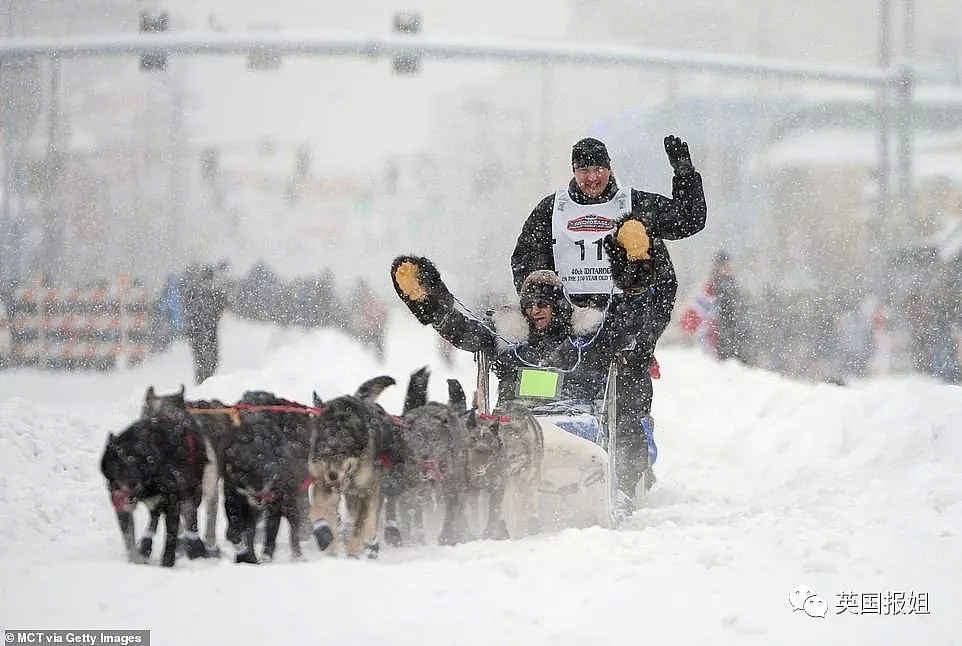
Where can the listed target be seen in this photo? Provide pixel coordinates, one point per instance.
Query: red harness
(431, 470)
(267, 497)
(494, 418)
(191, 448)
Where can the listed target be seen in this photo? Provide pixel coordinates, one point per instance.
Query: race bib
(579, 232)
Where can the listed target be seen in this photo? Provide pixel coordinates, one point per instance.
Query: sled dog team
(277, 459)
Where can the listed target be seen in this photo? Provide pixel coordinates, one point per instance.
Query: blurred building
(92, 184)
(821, 169)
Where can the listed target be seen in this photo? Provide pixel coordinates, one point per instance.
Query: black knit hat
(590, 152)
(545, 286)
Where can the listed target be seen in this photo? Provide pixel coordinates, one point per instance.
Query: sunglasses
(541, 303)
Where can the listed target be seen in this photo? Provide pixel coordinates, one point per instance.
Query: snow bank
(764, 484)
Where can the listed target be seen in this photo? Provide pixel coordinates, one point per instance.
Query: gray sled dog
(433, 438)
(352, 445)
(505, 459)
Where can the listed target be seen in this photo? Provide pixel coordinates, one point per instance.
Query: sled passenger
(568, 231)
(544, 329)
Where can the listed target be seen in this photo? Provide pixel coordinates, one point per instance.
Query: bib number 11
(581, 245)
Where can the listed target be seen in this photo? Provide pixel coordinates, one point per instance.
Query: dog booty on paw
(323, 535)
(392, 534)
(244, 555)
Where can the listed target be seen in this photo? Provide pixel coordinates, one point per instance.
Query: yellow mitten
(408, 281)
(633, 237)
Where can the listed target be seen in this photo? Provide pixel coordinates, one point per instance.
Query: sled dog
(214, 429)
(432, 435)
(352, 444)
(505, 458)
(262, 475)
(160, 462)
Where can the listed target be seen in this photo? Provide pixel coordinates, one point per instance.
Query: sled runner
(579, 481)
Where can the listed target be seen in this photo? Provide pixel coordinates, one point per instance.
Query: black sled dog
(160, 462)
(262, 475)
(296, 423)
(215, 423)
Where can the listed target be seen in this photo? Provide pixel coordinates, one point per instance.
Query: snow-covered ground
(765, 485)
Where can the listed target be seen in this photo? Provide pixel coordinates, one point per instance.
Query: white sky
(352, 111)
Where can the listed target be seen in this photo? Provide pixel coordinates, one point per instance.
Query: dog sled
(579, 486)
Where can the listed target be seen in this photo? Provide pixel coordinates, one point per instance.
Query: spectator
(204, 304)
(368, 318)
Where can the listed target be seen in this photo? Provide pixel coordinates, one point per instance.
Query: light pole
(884, 169)
(906, 126)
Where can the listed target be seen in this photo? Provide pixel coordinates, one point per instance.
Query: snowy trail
(764, 484)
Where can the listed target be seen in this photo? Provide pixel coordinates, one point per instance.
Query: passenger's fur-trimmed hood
(510, 322)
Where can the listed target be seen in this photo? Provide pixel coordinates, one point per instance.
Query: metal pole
(908, 30)
(300, 44)
(904, 133)
(884, 162)
(177, 191)
(906, 128)
(544, 123)
(49, 263)
(8, 248)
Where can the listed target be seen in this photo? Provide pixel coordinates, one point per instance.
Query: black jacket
(665, 219)
(510, 342)
(204, 304)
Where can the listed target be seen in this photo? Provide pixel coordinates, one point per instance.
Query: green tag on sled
(538, 382)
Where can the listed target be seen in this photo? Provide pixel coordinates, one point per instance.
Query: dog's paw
(323, 535)
(648, 479)
(392, 536)
(534, 526)
(497, 531)
(136, 557)
(448, 537)
(168, 559)
(145, 546)
(372, 549)
(213, 552)
(267, 557)
(246, 557)
(196, 549)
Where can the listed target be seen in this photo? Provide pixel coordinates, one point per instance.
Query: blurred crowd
(822, 335)
(831, 336)
(193, 301)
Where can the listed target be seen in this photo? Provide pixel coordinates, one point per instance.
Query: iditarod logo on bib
(591, 222)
